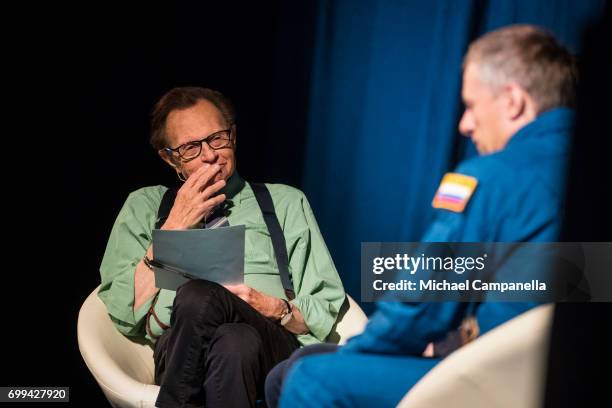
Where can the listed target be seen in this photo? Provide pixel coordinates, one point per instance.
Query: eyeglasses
(191, 150)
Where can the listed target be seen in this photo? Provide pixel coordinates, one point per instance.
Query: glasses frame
(170, 151)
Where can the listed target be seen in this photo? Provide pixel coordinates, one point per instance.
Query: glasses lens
(190, 150)
(220, 140)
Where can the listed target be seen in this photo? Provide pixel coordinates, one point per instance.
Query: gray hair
(531, 57)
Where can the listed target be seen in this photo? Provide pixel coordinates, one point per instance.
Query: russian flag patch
(454, 192)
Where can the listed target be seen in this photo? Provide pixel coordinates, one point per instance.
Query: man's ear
(168, 159)
(516, 101)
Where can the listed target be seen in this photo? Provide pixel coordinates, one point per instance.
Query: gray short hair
(531, 57)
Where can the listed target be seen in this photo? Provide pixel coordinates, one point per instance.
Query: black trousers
(217, 351)
(276, 376)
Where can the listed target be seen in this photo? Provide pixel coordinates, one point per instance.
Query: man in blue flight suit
(518, 86)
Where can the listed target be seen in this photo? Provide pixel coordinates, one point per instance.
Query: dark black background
(581, 340)
(82, 83)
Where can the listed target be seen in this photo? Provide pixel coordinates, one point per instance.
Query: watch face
(286, 319)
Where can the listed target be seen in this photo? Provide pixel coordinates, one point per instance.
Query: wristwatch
(287, 314)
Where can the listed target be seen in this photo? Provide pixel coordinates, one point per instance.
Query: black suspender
(264, 199)
(164, 208)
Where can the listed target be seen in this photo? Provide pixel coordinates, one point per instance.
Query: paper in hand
(216, 255)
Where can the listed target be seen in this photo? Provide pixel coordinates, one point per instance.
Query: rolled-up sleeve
(319, 290)
(129, 239)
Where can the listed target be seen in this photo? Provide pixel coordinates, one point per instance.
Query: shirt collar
(234, 188)
(557, 120)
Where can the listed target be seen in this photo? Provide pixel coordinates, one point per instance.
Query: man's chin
(482, 149)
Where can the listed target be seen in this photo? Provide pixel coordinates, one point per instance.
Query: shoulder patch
(454, 192)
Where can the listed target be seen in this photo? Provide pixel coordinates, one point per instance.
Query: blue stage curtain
(384, 108)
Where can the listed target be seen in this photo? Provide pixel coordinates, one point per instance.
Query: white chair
(504, 368)
(351, 321)
(125, 369)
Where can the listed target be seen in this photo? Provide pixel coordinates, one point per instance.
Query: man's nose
(466, 124)
(208, 154)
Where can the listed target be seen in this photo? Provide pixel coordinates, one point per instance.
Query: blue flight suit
(519, 198)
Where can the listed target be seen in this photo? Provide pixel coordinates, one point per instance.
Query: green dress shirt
(319, 291)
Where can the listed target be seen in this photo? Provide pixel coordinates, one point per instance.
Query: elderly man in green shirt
(214, 345)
